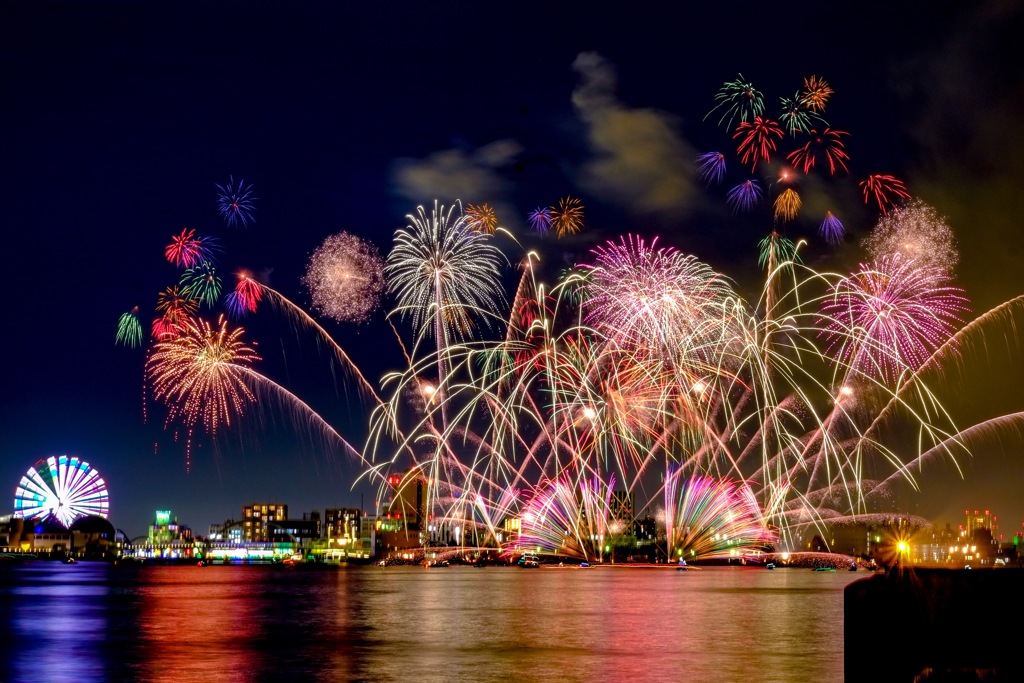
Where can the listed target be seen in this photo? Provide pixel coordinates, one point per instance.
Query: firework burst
(886, 190)
(568, 217)
(187, 250)
(345, 278)
(918, 232)
(888, 317)
(757, 141)
(197, 374)
(481, 217)
(236, 202)
(738, 99)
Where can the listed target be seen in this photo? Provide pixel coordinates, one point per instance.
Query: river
(90, 622)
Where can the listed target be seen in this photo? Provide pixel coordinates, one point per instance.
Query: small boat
(770, 565)
(682, 566)
(824, 569)
(853, 566)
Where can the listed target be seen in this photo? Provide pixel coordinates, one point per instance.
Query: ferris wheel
(67, 488)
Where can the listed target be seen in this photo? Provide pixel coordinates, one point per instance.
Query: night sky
(121, 118)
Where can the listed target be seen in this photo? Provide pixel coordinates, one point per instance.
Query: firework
(775, 249)
(187, 251)
(711, 166)
(787, 205)
(197, 374)
(831, 229)
(758, 140)
(201, 283)
(738, 99)
(744, 196)
(816, 93)
(129, 329)
(345, 278)
(175, 307)
(650, 295)
(440, 264)
(245, 296)
(707, 518)
(884, 189)
(568, 520)
(890, 315)
(639, 360)
(826, 147)
(796, 116)
(568, 217)
(236, 202)
(918, 232)
(481, 217)
(541, 219)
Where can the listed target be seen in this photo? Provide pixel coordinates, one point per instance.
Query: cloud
(639, 159)
(473, 176)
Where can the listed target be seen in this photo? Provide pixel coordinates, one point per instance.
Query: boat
(682, 566)
(853, 566)
(529, 564)
(824, 569)
(770, 565)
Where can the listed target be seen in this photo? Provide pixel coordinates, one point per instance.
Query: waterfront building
(166, 529)
(255, 518)
(229, 531)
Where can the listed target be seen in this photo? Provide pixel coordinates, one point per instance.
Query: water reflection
(57, 621)
(244, 623)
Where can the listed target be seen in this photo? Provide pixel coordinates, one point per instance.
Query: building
(256, 518)
(166, 529)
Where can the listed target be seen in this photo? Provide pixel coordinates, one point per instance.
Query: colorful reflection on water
(98, 622)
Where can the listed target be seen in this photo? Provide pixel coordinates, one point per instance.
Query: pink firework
(651, 294)
(891, 315)
(885, 190)
(246, 295)
(186, 250)
(758, 140)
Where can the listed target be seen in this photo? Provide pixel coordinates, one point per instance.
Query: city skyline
(123, 136)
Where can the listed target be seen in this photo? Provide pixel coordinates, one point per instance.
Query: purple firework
(891, 315)
(831, 229)
(541, 219)
(236, 202)
(744, 196)
(711, 166)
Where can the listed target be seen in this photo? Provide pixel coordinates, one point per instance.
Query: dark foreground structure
(934, 625)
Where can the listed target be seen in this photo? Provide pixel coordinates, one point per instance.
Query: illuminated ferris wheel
(67, 488)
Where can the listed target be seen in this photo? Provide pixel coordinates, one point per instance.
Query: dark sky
(120, 119)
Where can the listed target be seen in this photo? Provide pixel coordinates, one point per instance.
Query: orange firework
(816, 93)
(198, 374)
(482, 218)
(787, 205)
(568, 217)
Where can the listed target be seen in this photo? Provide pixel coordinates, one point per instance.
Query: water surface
(97, 622)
